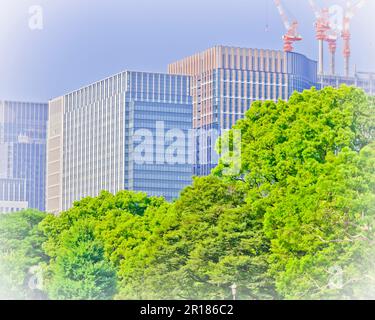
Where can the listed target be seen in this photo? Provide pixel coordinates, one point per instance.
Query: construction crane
(335, 24)
(332, 37)
(350, 11)
(322, 28)
(292, 34)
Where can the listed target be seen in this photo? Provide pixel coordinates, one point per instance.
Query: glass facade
(23, 130)
(158, 102)
(95, 143)
(225, 82)
(168, 176)
(302, 73)
(363, 80)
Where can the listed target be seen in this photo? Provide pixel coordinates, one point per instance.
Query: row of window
(12, 190)
(155, 86)
(253, 63)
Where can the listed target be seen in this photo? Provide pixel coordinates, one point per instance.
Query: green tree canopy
(85, 243)
(308, 166)
(204, 243)
(20, 250)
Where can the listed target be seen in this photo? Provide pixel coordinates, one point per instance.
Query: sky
(82, 41)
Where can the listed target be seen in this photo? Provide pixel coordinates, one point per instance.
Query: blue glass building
(129, 131)
(301, 72)
(161, 105)
(23, 130)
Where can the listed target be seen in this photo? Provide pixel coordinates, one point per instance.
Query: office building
(363, 80)
(23, 130)
(226, 80)
(95, 135)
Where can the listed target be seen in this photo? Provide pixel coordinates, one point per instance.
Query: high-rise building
(363, 80)
(129, 131)
(226, 80)
(23, 130)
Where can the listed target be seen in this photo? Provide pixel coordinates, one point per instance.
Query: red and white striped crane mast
(292, 34)
(322, 28)
(332, 37)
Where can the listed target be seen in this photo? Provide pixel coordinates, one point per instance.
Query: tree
(20, 250)
(322, 232)
(205, 241)
(84, 244)
(307, 167)
(79, 269)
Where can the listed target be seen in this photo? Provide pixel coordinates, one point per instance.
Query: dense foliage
(297, 221)
(308, 166)
(20, 252)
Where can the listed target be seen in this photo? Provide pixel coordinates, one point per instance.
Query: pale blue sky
(86, 40)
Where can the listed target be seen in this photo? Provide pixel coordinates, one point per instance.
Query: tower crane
(322, 28)
(350, 10)
(332, 37)
(292, 34)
